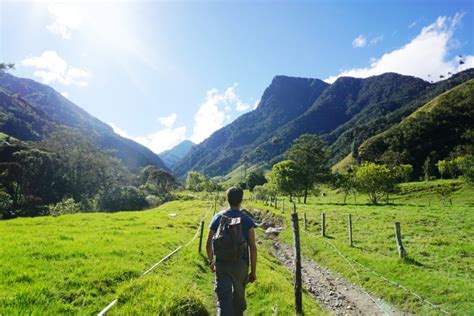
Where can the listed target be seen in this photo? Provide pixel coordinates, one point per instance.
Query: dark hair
(234, 196)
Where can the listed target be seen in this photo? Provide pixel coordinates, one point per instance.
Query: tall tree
(309, 153)
(287, 178)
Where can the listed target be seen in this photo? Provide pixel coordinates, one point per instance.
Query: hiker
(231, 240)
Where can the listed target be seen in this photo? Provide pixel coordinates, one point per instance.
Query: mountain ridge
(55, 109)
(350, 109)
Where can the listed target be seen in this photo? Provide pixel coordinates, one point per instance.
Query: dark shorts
(231, 279)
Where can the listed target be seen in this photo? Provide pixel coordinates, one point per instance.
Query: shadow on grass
(412, 261)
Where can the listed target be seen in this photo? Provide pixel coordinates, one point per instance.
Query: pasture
(437, 235)
(78, 264)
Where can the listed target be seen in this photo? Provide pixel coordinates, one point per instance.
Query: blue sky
(162, 72)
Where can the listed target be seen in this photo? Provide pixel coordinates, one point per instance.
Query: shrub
(121, 198)
(66, 206)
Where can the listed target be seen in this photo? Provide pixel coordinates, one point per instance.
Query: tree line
(67, 172)
(306, 167)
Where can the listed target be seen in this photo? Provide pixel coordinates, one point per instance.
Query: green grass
(77, 264)
(439, 239)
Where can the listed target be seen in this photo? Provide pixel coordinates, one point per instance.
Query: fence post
(398, 237)
(323, 224)
(297, 262)
(200, 238)
(304, 221)
(350, 229)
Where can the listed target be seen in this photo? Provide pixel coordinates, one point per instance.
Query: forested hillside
(285, 99)
(30, 110)
(344, 114)
(431, 133)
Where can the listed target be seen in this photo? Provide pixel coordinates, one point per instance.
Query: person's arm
(210, 254)
(253, 256)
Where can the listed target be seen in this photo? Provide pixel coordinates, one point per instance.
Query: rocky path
(333, 293)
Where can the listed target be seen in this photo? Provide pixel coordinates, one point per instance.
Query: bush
(66, 206)
(121, 198)
(5, 201)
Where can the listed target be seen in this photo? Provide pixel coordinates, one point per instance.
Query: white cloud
(65, 94)
(163, 139)
(50, 67)
(359, 41)
(425, 56)
(66, 18)
(159, 141)
(213, 113)
(167, 121)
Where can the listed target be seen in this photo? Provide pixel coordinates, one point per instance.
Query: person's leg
(223, 289)
(239, 281)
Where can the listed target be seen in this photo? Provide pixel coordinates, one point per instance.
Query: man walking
(231, 240)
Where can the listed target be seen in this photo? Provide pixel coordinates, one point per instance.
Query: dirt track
(333, 293)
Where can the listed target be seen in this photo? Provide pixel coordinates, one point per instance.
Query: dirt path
(333, 293)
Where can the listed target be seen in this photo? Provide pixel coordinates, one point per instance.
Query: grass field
(439, 239)
(77, 264)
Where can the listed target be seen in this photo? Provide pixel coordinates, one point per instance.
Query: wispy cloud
(167, 121)
(50, 67)
(359, 41)
(425, 56)
(65, 19)
(376, 39)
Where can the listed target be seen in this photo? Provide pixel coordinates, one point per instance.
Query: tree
(375, 180)
(84, 168)
(194, 180)
(355, 150)
(120, 198)
(346, 183)
(254, 179)
(403, 173)
(287, 177)
(161, 179)
(309, 153)
(4, 67)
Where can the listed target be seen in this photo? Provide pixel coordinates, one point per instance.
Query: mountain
(171, 156)
(285, 99)
(30, 110)
(350, 110)
(439, 124)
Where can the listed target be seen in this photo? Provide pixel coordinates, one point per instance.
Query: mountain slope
(171, 156)
(374, 120)
(33, 109)
(285, 99)
(339, 103)
(434, 130)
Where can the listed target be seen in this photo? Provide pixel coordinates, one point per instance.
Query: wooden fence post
(304, 221)
(398, 237)
(350, 229)
(323, 224)
(297, 262)
(200, 238)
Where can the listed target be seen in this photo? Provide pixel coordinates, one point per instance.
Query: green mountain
(350, 110)
(284, 100)
(433, 130)
(30, 110)
(171, 156)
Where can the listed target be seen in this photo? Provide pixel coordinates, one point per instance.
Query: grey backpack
(229, 244)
